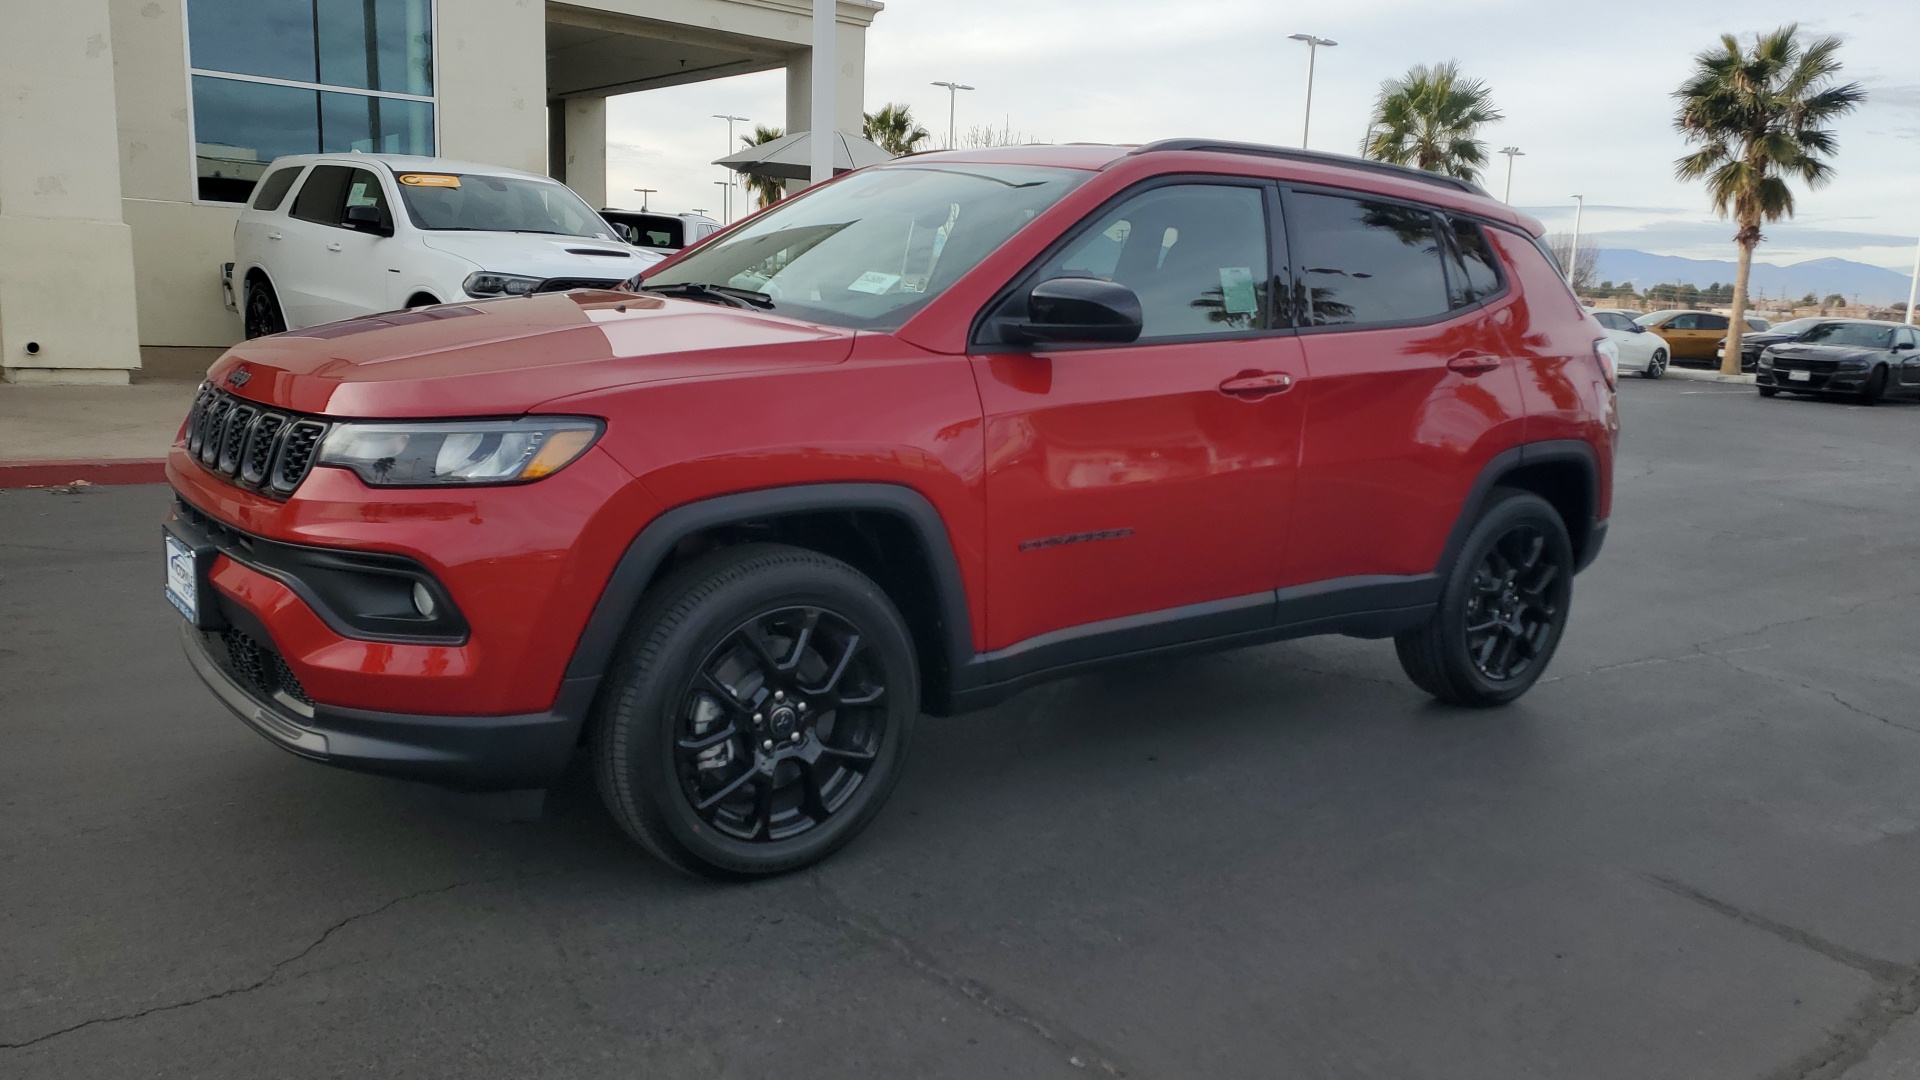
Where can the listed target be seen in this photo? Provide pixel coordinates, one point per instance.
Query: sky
(1586, 93)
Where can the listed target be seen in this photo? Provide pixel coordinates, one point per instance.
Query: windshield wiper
(720, 294)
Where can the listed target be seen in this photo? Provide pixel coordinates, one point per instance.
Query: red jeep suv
(905, 444)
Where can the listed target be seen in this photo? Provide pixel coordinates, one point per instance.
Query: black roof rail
(1313, 157)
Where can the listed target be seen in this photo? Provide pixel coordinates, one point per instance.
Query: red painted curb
(27, 474)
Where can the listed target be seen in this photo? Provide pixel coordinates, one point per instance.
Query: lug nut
(796, 737)
(779, 695)
(768, 745)
(803, 706)
(759, 718)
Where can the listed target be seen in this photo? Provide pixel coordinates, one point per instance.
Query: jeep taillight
(1607, 355)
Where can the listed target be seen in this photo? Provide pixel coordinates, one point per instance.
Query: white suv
(330, 237)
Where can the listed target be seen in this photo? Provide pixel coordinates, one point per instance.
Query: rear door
(1412, 386)
(1709, 332)
(1139, 479)
(1906, 358)
(298, 261)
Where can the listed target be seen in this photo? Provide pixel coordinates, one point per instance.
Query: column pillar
(586, 149)
(67, 309)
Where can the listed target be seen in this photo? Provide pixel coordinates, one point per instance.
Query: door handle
(273, 236)
(1473, 364)
(335, 246)
(1257, 383)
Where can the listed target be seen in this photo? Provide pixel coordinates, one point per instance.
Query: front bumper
(1837, 382)
(478, 753)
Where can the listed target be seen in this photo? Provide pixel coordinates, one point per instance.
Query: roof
(411, 163)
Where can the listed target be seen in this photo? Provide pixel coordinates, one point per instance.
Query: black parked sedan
(1755, 342)
(1868, 360)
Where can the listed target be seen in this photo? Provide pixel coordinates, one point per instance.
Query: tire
(1656, 365)
(261, 314)
(1876, 387)
(681, 741)
(1514, 573)
(420, 300)
(1769, 391)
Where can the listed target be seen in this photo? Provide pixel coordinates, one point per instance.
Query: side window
(1473, 274)
(275, 187)
(1711, 322)
(363, 189)
(1909, 339)
(1684, 322)
(321, 198)
(1365, 262)
(1195, 254)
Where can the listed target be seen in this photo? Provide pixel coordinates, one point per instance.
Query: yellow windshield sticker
(429, 180)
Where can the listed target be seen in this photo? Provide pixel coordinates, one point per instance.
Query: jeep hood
(505, 357)
(544, 257)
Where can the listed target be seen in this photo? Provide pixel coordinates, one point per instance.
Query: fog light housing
(422, 601)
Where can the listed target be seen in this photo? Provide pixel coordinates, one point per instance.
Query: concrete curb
(1697, 375)
(45, 474)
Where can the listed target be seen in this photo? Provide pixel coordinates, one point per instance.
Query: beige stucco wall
(66, 260)
(492, 81)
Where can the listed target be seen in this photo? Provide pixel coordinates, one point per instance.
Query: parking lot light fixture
(1573, 252)
(953, 95)
(1511, 152)
(726, 205)
(1314, 45)
(1913, 287)
(644, 192)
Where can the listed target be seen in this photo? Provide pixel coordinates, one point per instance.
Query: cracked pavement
(1693, 852)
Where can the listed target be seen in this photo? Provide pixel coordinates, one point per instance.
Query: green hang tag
(1236, 290)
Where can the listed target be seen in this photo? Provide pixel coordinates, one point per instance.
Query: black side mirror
(369, 219)
(1638, 329)
(1903, 346)
(1080, 309)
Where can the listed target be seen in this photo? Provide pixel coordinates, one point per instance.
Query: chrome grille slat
(267, 450)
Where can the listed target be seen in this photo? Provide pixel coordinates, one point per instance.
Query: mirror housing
(1080, 310)
(369, 219)
(1903, 346)
(1638, 329)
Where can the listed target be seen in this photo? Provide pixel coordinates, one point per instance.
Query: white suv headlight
(485, 284)
(458, 452)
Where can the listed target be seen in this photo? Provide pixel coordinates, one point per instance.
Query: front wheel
(1876, 387)
(760, 713)
(1502, 608)
(1656, 365)
(1769, 391)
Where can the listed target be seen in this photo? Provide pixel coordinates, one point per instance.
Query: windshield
(1797, 326)
(465, 202)
(876, 246)
(1652, 317)
(1855, 335)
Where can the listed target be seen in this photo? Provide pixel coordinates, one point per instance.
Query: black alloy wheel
(1502, 608)
(262, 315)
(778, 728)
(759, 713)
(1876, 387)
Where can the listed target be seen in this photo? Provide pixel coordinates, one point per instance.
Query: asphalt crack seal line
(1896, 994)
(1082, 1052)
(261, 983)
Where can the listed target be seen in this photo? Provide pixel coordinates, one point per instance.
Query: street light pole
(726, 203)
(1511, 152)
(953, 96)
(1913, 290)
(1573, 255)
(1313, 47)
(644, 192)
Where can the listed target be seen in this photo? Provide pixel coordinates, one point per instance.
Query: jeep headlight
(457, 452)
(485, 284)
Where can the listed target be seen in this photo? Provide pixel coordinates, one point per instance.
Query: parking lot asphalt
(1693, 852)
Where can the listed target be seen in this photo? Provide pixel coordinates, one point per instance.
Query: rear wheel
(1769, 391)
(1656, 365)
(1502, 609)
(1876, 387)
(760, 714)
(262, 314)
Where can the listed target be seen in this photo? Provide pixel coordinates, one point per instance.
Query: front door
(1143, 478)
(1906, 358)
(354, 271)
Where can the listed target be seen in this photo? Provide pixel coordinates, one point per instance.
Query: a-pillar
(584, 152)
(66, 257)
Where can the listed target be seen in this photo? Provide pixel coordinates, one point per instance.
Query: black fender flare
(1587, 535)
(593, 653)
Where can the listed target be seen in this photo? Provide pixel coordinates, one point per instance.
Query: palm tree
(767, 190)
(1760, 118)
(894, 129)
(1427, 118)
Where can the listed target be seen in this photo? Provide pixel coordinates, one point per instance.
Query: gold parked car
(1693, 335)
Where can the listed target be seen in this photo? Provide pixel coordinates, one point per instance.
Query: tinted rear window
(1473, 273)
(1367, 262)
(275, 187)
(321, 196)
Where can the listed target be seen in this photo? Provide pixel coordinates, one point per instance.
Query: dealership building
(131, 131)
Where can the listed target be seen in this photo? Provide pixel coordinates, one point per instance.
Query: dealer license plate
(183, 579)
(1799, 376)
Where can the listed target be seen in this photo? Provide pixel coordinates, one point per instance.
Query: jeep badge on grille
(238, 376)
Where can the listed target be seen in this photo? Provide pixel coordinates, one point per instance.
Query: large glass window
(276, 77)
(1366, 262)
(1195, 254)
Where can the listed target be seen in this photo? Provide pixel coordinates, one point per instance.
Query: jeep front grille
(268, 450)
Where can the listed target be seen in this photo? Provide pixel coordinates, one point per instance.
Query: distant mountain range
(1858, 282)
